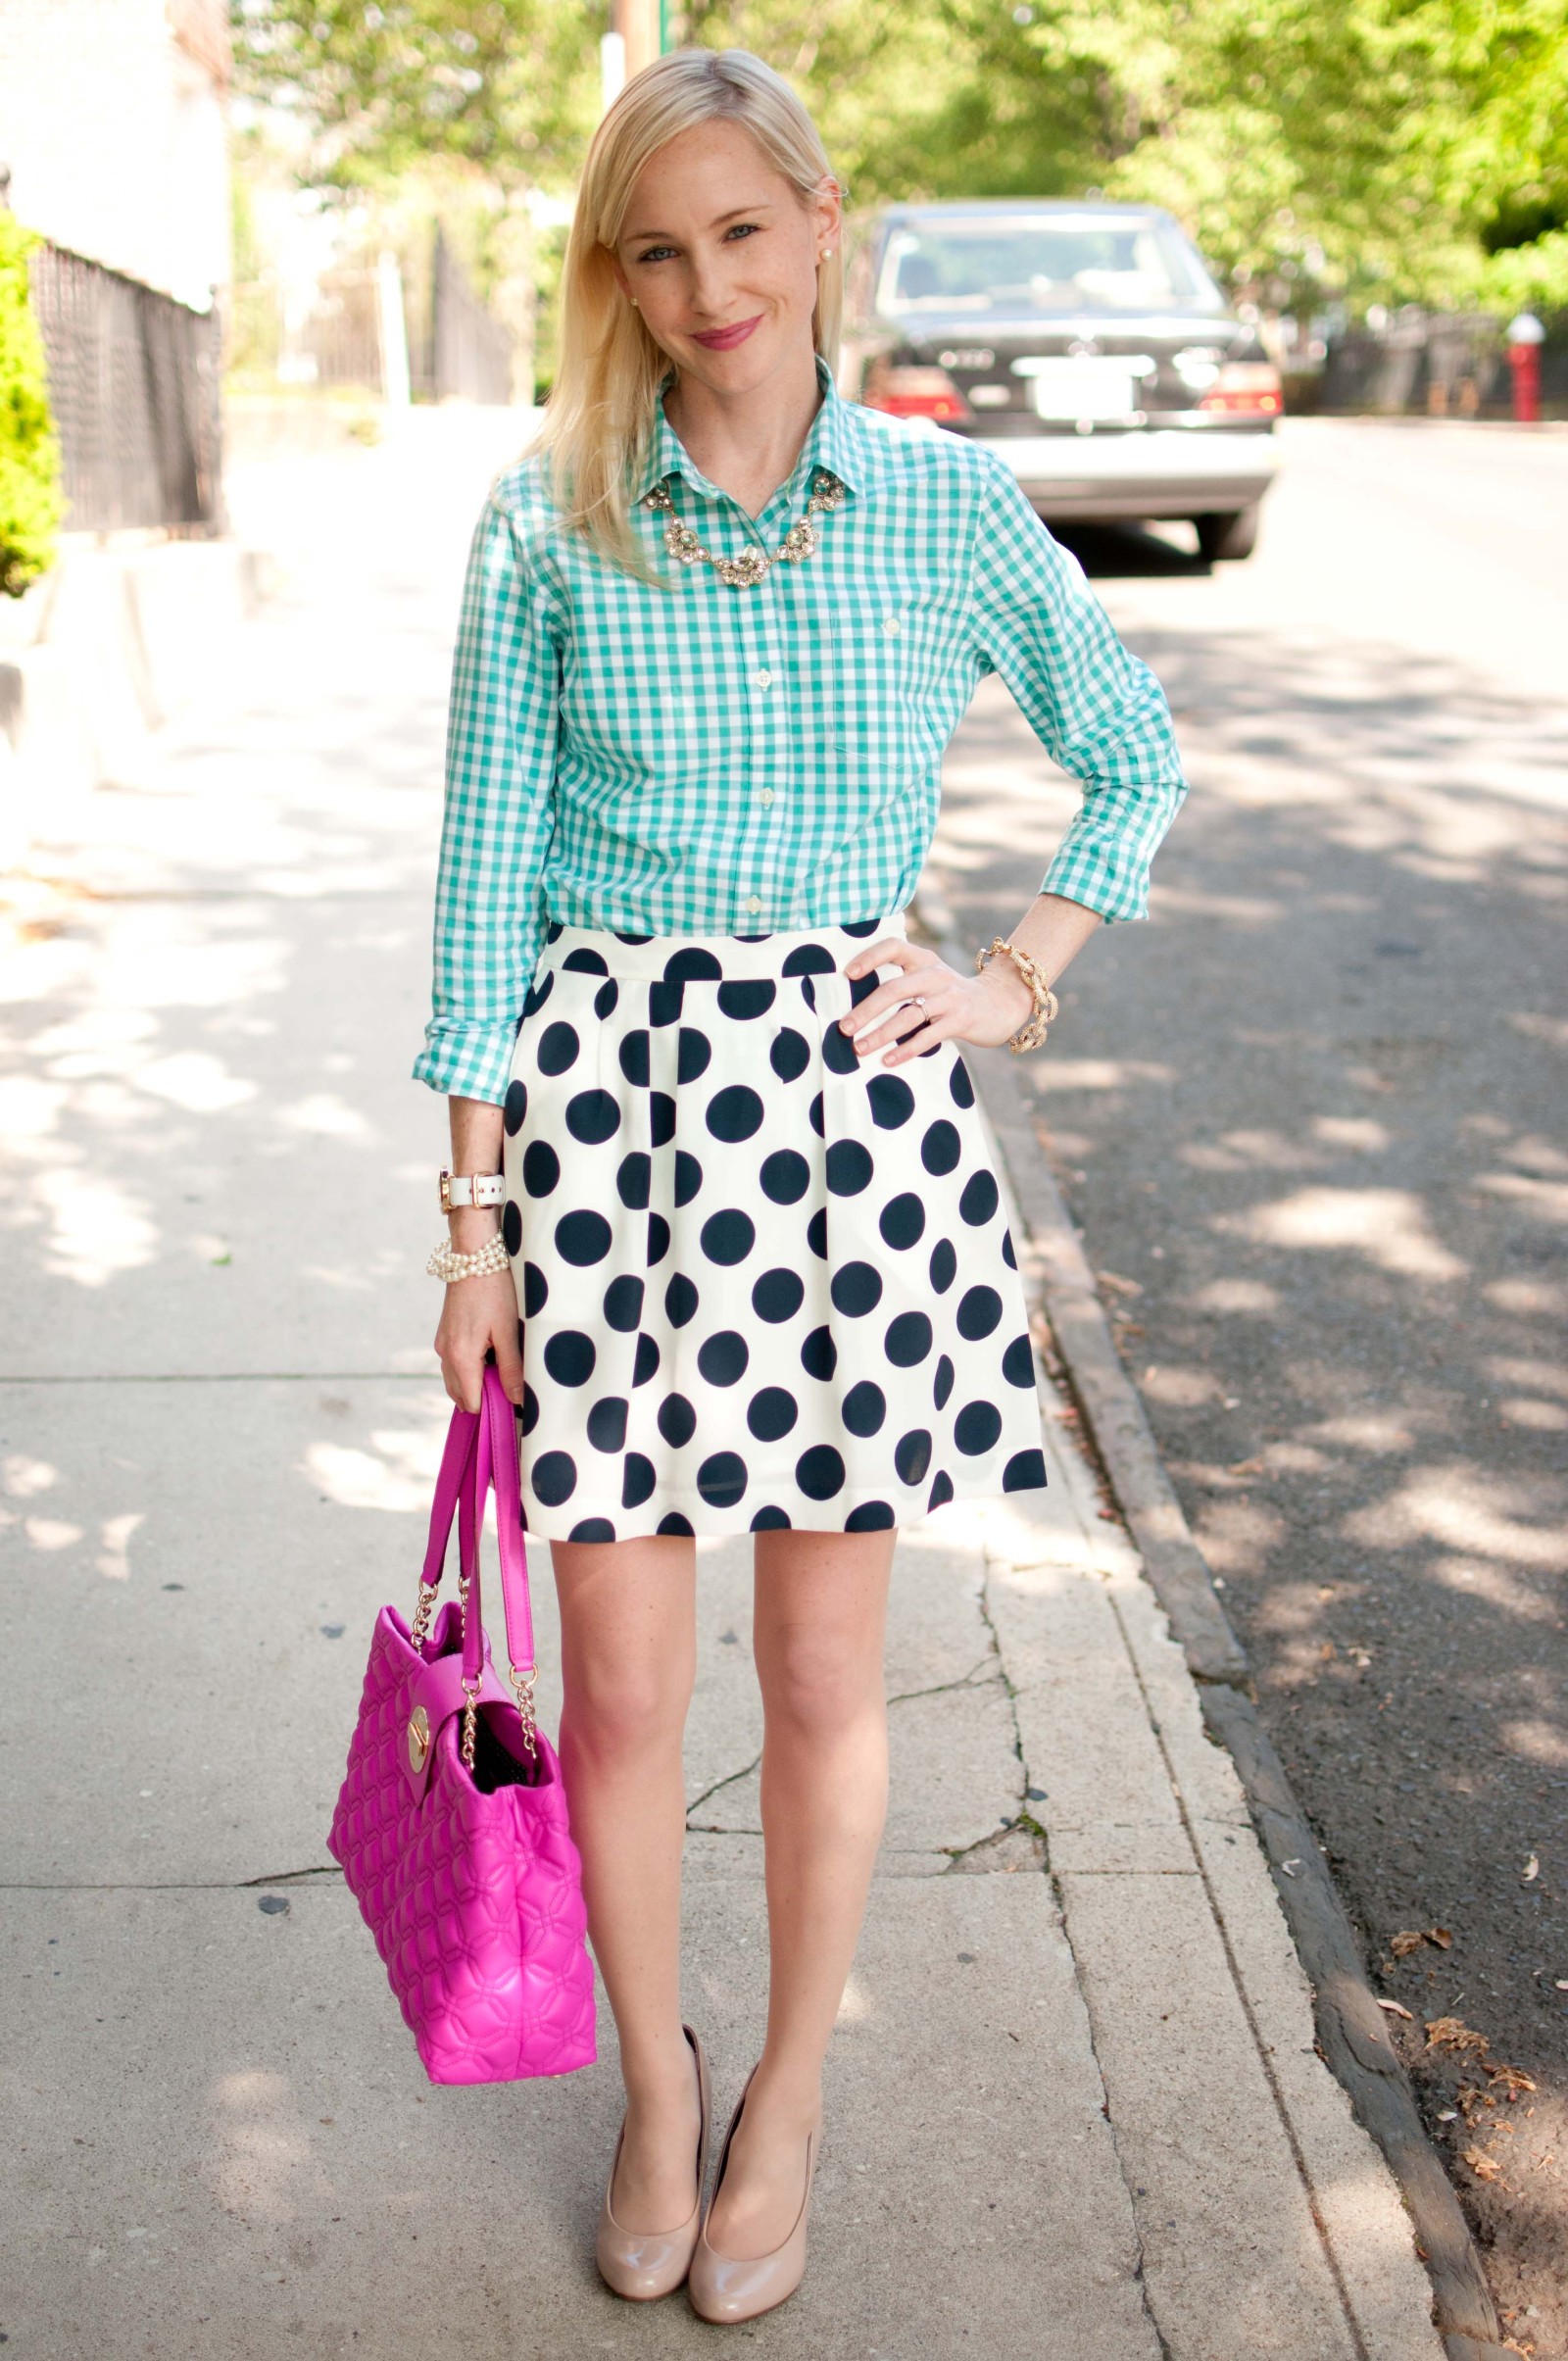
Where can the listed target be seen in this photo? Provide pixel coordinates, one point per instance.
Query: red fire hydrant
(1526, 336)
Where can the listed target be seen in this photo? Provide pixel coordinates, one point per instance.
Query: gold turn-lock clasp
(418, 1737)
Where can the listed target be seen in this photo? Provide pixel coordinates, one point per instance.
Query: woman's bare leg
(821, 1609)
(629, 1657)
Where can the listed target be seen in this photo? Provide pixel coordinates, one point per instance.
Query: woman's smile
(724, 340)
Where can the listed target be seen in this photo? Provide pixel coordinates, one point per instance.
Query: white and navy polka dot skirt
(762, 1282)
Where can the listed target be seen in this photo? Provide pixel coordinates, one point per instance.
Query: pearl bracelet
(1031, 1033)
(446, 1263)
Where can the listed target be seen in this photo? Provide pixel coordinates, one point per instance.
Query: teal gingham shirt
(708, 761)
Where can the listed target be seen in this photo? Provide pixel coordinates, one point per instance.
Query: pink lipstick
(724, 340)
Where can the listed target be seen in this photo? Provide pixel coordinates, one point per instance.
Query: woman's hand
(929, 1002)
(480, 1315)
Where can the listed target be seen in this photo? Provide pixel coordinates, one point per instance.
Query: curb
(1059, 1289)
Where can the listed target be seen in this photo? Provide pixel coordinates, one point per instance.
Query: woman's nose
(710, 283)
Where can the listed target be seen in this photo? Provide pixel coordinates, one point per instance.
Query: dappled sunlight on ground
(397, 1473)
(1311, 1124)
(1389, 1226)
(259, 2164)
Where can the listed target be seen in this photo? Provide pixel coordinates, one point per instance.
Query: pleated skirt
(762, 1282)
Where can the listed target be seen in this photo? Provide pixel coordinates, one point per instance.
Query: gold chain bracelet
(1031, 1034)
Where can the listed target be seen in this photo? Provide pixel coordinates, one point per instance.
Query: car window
(1060, 263)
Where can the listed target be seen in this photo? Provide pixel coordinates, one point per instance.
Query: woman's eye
(743, 229)
(656, 254)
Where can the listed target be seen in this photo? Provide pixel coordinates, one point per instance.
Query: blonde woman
(718, 631)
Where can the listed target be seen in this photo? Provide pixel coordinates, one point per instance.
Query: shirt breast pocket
(638, 711)
(888, 667)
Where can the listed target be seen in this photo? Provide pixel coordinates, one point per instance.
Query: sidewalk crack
(729, 1779)
(1009, 1691)
(978, 1678)
(328, 1870)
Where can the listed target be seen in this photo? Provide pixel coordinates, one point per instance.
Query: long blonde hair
(601, 412)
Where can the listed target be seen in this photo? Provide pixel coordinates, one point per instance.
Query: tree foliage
(508, 87)
(31, 502)
(1380, 148)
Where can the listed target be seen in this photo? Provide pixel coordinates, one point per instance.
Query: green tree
(508, 87)
(1390, 149)
(30, 500)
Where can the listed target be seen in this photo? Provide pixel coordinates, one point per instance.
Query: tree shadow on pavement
(1311, 1123)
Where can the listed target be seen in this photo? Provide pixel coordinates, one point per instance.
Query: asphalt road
(1312, 1123)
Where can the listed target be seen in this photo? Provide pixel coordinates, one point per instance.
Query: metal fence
(326, 334)
(135, 385)
(470, 351)
(1434, 365)
(332, 332)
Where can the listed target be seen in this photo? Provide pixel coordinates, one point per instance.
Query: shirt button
(765, 679)
(890, 628)
(766, 798)
(753, 905)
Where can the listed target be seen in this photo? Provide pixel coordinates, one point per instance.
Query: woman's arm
(500, 752)
(502, 729)
(986, 1009)
(1103, 716)
(1095, 708)
(479, 1315)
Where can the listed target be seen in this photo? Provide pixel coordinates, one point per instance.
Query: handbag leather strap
(496, 1469)
(481, 1454)
(463, 1435)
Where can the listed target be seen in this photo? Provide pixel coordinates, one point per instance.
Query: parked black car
(1085, 344)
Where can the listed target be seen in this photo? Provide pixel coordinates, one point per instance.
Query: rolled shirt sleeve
(1097, 710)
(502, 730)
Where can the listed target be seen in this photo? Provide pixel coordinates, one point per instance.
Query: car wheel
(1232, 536)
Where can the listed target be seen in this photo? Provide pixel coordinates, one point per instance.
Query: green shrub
(30, 500)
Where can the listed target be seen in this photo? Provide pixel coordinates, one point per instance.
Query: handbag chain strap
(471, 1683)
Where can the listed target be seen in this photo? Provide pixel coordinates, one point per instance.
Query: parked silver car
(1085, 344)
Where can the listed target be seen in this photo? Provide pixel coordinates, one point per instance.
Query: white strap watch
(471, 1188)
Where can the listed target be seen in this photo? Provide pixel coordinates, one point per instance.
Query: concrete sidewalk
(1074, 2105)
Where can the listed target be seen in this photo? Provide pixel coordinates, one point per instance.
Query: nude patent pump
(644, 2264)
(726, 2288)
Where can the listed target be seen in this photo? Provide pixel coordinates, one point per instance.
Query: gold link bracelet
(1031, 1034)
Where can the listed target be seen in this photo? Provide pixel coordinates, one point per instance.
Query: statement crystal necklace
(747, 570)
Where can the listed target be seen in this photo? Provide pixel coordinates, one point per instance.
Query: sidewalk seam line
(1297, 2157)
(1059, 1901)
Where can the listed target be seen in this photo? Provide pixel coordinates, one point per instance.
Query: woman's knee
(623, 1711)
(817, 1687)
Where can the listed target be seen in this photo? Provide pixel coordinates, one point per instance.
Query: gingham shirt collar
(831, 444)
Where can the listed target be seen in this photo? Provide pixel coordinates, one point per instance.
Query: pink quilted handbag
(451, 1827)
